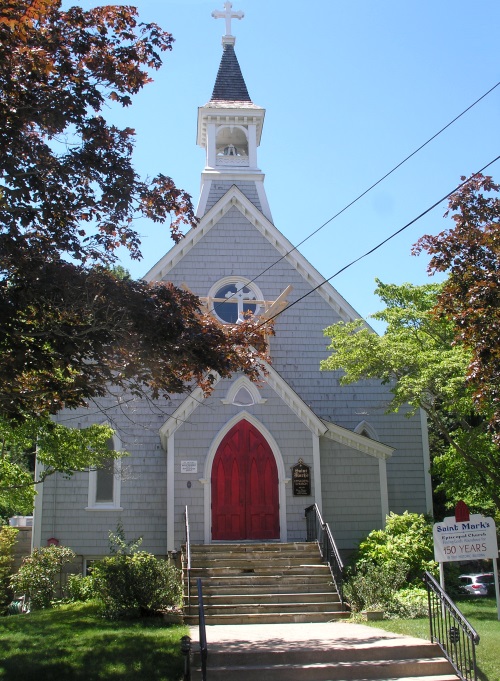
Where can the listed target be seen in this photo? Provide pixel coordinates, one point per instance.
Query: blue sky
(350, 89)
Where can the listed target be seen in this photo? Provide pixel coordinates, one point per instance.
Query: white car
(477, 585)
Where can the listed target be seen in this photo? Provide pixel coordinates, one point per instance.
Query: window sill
(103, 508)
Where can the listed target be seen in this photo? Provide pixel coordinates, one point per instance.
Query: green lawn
(482, 614)
(73, 643)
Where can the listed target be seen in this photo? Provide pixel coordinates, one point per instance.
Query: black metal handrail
(456, 637)
(203, 632)
(188, 557)
(319, 531)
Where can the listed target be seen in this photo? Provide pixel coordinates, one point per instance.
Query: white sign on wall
(189, 466)
(473, 539)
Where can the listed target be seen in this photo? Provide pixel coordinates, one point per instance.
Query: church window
(243, 393)
(104, 482)
(367, 430)
(243, 398)
(232, 300)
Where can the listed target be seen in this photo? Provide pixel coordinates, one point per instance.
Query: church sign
(471, 539)
(301, 479)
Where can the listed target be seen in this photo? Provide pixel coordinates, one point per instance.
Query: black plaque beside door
(301, 479)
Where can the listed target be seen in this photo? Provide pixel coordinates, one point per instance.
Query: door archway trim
(207, 474)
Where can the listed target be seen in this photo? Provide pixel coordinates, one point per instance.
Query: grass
(73, 643)
(482, 614)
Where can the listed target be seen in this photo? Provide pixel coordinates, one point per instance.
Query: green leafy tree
(58, 448)
(69, 199)
(419, 359)
(7, 540)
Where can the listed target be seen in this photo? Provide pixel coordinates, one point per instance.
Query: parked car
(477, 585)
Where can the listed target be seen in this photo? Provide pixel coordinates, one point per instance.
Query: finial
(228, 14)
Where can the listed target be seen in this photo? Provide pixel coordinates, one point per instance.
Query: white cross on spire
(228, 15)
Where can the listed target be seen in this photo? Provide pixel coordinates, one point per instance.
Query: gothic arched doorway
(245, 499)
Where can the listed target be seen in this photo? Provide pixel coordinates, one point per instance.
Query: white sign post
(472, 539)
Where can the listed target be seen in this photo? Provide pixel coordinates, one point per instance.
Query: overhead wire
(381, 243)
(366, 191)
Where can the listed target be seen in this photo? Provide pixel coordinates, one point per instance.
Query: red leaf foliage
(470, 253)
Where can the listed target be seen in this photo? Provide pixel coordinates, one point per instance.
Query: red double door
(245, 502)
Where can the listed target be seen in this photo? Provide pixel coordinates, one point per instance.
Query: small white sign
(473, 539)
(189, 467)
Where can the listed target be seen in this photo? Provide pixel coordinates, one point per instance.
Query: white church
(247, 460)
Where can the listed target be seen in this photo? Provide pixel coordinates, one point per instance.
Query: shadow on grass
(76, 644)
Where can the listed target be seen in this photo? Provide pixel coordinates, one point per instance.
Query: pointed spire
(230, 85)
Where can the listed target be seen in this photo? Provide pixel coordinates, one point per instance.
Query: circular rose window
(232, 300)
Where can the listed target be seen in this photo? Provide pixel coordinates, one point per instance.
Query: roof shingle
(229, 84)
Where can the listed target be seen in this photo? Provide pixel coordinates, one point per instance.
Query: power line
(375, 184)
(382, 243)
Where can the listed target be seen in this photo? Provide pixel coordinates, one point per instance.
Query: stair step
(261, 570)
(270, 618)
(337, 671)
(301, 654)
(259, 582)
(310, 597)
(250, 547)
(268, 562)
(258, 608)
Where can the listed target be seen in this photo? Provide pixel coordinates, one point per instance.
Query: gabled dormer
(230, 129)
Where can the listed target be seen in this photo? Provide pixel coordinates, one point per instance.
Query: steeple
(229, 129)
(229, 84)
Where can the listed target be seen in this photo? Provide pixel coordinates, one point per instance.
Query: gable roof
(234, 197)
(230, 85)
(298, 407)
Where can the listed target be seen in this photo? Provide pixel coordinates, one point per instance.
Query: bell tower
(230, 129)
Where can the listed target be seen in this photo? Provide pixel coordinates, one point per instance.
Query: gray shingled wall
(235, 247)
(350, 479)
(351, 493)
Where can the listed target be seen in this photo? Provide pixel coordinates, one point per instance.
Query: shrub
(389, 561)
(408, 603)
(7, 540)
(80, 588)
(373, 586)
(39, 575)
(407, 539)
(138, 584)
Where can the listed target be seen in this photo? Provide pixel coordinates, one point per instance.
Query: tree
(69, 196)
(417, 356)
(58, 448)
(470, 254)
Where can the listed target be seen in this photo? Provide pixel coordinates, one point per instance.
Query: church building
(247, 460)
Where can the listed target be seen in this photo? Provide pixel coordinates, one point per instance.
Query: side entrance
(245, 499)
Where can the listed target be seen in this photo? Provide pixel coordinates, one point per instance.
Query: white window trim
(251, 388)
(367, 428)
(259, 301)
(92, 504)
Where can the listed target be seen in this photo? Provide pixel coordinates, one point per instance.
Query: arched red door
(245, 501)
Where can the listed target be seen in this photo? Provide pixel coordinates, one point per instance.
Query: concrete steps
(262, 583)
(319, 652)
